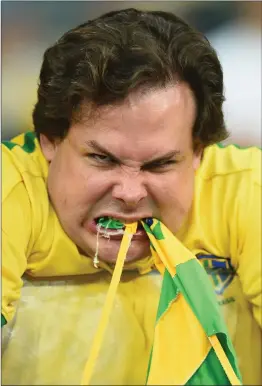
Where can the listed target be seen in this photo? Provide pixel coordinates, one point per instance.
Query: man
(127, 121)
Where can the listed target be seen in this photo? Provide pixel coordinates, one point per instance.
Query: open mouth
(113, 229)
(112, 224)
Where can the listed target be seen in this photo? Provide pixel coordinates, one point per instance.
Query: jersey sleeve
(249, 254)
(16, 230)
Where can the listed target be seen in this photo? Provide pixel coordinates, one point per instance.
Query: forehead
(161, 118)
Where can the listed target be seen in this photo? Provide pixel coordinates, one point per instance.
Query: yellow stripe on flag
(89, 368)
(167, 248)
(224, 360)
(180, 345)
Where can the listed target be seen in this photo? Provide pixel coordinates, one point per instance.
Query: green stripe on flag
(210, 372)
(192, 281)
(149, 365)
(169, 292)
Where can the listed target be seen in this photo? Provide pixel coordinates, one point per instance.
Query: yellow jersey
(52, 296)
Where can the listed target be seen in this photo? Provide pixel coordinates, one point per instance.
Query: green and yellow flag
(191, 342)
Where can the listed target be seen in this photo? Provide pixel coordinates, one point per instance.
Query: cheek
(173, 191)
(66, 184)
(75, 186)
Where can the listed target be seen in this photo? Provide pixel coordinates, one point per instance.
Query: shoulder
(22, 161)
(231, 162)
(228, 183)
(229, 175)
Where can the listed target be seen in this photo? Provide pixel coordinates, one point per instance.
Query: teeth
(111, 232)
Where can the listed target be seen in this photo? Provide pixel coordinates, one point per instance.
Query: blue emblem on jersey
(220, 271)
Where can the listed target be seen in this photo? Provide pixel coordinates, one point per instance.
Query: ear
(48, 147)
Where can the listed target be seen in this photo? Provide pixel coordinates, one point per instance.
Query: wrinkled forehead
(156, 121)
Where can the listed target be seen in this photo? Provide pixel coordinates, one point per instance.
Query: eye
(159, 165)
(102, 158)
(165, 163)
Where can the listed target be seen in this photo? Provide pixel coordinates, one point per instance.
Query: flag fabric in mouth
(111, 223)
(191, 343)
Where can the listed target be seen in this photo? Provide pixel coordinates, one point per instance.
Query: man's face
(131, 161)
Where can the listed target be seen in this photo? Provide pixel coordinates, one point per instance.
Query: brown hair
(105, 59)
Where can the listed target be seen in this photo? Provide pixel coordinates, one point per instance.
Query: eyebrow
(95, 146)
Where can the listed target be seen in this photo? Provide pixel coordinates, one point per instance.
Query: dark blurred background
(234, 29)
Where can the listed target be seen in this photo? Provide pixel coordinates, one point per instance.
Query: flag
(191, 344)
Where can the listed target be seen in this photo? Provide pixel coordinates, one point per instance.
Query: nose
(130, 189)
